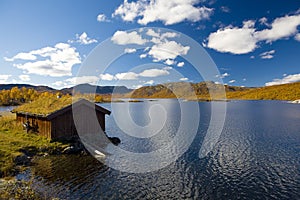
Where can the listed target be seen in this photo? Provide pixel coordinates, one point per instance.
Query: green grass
(45, 105)
(13, 139)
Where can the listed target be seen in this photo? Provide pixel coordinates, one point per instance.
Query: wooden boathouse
(59, 123)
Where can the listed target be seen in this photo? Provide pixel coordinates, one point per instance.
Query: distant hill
(87, 88)
(183, 90)
(289, 91)
(82, 88)
(39, 88)
(188, 90)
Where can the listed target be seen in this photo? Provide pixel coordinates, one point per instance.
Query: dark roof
(67, 106)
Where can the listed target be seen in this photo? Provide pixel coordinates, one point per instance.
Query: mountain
(87, 88)
(290, 91)
(185, 90)
(39, 88)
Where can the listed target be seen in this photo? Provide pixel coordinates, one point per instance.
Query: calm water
(257, 156)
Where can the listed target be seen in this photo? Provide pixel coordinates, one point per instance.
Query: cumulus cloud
(154, 72)
(263, 21)
(180, 64)
(102, 18)
(82, 80)
(231, 81)
(53, 61)
(282, 27)
(124, 38)
(143, 56)
(84, 39)
(223, 75)
(21, 56)
(169, 62)
(267, 54)
(151, 82)
(106, 77)
(4, 78)
(169, 12)
(24, 77)
(233, 39)
(129, 50)
(242, 40)
(167, 50)
(127, 76)
(286, 79)
(134, 76)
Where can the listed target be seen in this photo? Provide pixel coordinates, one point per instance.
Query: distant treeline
(16, 96)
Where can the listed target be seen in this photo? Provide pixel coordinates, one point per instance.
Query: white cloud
(124, 38)
(151, 82)
(4, 78)
(102, 18)
(223, 75)
(282, 27)
(169, 12)
(263, 21)
(129, 50)
(24, 77)
(244, 79)
(231, 81)
(21, 56)
(252, 57)
(127, 76)
(129, 11)
(106, 77)
(154, 72)
(134, 76)
(297, 37)
(143, 56)
(169, 62)
(152, 33)
(167, 50)
(233, 39)
(180, 64)
(225, 9)
(58, 83)
(82, 80)
(286, 79)
(242, 40)
(84, 39)
(55, 61)
(267, 54)
(183, 79)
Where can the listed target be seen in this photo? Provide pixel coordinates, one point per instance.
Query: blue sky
(252, 43)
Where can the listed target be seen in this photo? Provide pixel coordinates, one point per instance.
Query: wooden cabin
(60, 124)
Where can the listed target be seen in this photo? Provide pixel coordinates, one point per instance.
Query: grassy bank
(15, 143)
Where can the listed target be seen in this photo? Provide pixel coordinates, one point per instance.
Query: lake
(256, 157)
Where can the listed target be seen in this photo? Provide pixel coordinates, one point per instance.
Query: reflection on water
(257, 156)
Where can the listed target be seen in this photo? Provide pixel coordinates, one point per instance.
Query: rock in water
(115, 140)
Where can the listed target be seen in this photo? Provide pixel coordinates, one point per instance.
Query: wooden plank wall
(43, 125)
(63, 125)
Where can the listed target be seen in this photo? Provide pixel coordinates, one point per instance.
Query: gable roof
(50, 108)
(77, 104)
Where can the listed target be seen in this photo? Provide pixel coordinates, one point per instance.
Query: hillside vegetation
(289, 91)
(212, 91)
